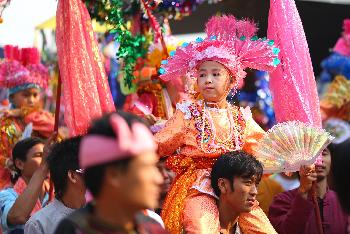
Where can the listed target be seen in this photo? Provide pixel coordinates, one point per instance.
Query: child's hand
(48, 145)
(44, 168)
(11, 113)
(63, 133)
(151, 119)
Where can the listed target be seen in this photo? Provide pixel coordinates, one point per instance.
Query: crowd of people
(199, 173)
(117, 163)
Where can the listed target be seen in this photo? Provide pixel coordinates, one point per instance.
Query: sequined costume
(11, 129)
(193, 139)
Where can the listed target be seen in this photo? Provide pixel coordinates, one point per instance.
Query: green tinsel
(131, 47)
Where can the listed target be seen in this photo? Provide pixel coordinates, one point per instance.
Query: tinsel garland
(131, 47)
(172, 9)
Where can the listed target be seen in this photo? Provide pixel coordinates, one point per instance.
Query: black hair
(63, 157)
(340, 173)
(94, 176)
(235, 164)
(20, 151)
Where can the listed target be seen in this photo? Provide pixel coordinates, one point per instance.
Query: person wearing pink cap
(119, 159)
(25, 77)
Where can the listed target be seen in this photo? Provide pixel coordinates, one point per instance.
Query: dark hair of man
(64, 157)
(340, 173)
(93, 176)
(235, 164)
(20, 151)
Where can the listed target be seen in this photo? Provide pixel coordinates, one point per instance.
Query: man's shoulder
(149, 224)
(66, 226)
(43, 213)
(288, 194)
(8, 193)
(73, 221)
(332, 195)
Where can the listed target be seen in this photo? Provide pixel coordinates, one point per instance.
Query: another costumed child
(25, 77)
(202, 130)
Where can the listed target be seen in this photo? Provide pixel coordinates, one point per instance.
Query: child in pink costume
(201, 130)
(23, 74)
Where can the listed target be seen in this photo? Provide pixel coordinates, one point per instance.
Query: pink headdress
(343, 44)
(22, 67)
(230, 42)
(96, 149)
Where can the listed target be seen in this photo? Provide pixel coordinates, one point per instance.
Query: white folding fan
(289, 145)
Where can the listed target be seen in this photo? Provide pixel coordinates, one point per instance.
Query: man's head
(234, 178)
(65, 172)
(132, 179)
(27, 155)
(323, 169)
(168, 176)
(214, 81)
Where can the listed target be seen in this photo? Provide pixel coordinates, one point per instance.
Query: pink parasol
(86, 93)
(293, 84)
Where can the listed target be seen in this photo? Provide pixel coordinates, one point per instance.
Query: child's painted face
(26, 98)
(213, 81)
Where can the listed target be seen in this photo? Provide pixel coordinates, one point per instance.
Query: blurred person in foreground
(66, 175)
(119, 159)
(294, 212)
(235, 177)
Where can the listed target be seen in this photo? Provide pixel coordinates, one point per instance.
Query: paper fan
(289, 145)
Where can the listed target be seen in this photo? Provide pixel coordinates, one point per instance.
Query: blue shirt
(7, 199)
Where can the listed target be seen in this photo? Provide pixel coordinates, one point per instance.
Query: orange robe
(11, 131)
(192, 148)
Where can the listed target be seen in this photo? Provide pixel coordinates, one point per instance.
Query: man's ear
(113, 176)
(222, 186)
(72, 177)
(19, 164)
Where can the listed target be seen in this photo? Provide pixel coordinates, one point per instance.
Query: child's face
(26, 98)
(213, 81)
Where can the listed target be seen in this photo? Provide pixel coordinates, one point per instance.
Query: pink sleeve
(171, 137)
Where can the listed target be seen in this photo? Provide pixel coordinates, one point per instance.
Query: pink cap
(97, 149)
